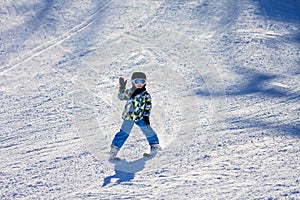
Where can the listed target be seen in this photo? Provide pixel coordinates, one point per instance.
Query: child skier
(137, 111)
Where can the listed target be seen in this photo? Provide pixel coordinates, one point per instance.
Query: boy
(136, 111)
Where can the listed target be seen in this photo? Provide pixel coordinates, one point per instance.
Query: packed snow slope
(225, 84)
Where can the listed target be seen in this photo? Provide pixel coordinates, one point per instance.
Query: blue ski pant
(125, 130)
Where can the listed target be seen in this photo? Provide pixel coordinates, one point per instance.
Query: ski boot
(113, 153)
(153, 150)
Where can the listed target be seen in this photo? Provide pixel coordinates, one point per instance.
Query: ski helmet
(137, 75)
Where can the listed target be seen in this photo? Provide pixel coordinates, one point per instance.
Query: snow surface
(223, 75)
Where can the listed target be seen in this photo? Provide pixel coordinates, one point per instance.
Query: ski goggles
(139, 81)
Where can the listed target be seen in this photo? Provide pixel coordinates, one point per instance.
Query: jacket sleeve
(124, 94)
(148, 105)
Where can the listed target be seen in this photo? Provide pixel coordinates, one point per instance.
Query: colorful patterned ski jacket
(138, 103)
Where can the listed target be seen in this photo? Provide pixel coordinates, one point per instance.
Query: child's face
(139, 85)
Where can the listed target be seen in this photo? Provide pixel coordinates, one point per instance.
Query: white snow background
(225, 84)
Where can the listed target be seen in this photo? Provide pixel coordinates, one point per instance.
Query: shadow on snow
(18, 35)
(259, 85)
(290, 128)
(287, 10)
(125, 171)
(253, 83)
(284, 11)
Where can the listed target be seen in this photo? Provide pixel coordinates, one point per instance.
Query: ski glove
(122, 83)
(146, 120)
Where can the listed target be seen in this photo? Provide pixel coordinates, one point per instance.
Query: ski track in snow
(223, 75)
(52, 43)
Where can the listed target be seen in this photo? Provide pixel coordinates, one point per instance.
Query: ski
(114, 159)
(147, 155)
